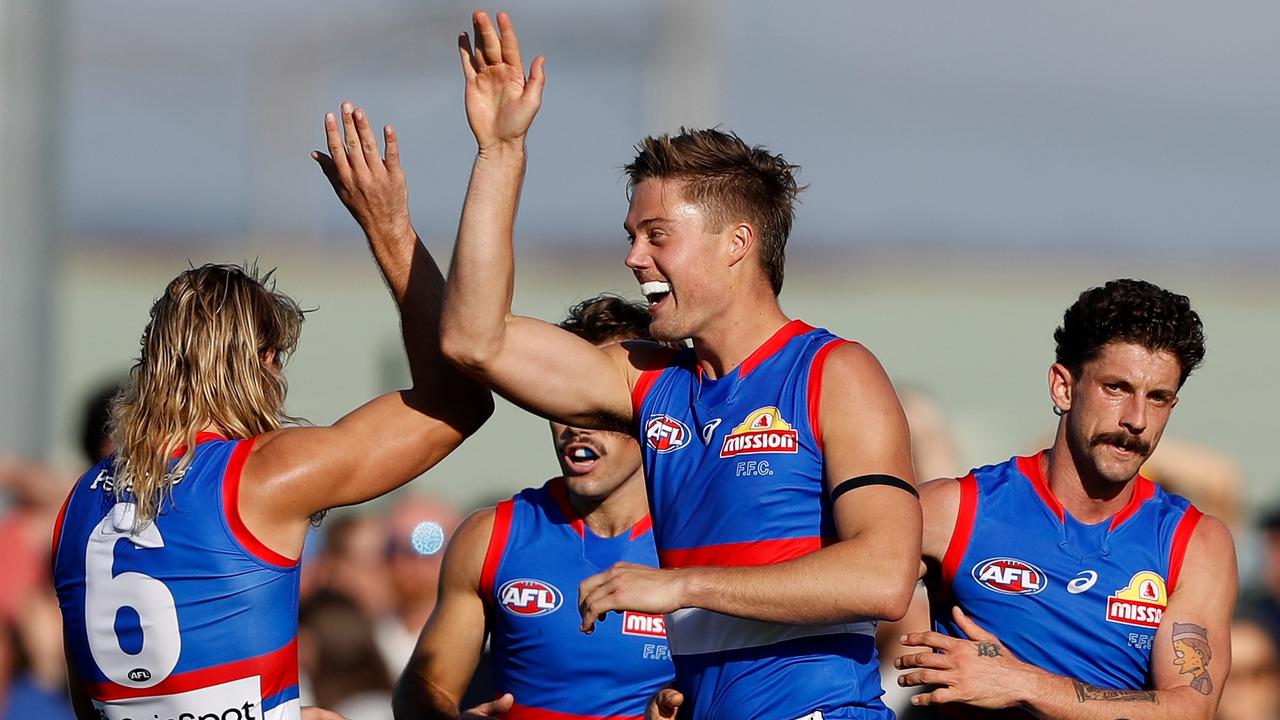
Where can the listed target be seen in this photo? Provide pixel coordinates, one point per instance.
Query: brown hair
(202, 363)
(731, 181)
(608, 318)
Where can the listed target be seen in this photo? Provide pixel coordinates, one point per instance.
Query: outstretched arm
(870, 572)
(1189, 660)
(450, 643)
(296, 472)
(535, 364)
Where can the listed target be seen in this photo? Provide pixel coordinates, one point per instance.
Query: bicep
(1193, 644)
(555, 374)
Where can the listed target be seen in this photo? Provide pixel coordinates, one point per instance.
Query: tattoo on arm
(1192, 653)
(1086, 692)
(988, 649)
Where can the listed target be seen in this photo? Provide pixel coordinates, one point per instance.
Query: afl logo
(1009, 576)
(139, 674)
(529, 598)
(665, 433)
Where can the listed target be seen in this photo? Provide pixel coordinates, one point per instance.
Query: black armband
(865, 480)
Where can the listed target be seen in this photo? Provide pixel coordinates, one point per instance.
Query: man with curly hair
(1065, 585)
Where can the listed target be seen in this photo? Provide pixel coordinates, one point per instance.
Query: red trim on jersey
(742, 554)
(231, 507)
(1143, 490)
(815, 387)
(201, 437)
(1033, 468)
(278, 670)
(963, 530)
(524, 712)
(1178, 548)
(57, 526)
(560, 494)
(642, 527)
(497, 546)
(772, 345)
(638, 393)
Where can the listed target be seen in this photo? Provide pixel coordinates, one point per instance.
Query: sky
(998, 123)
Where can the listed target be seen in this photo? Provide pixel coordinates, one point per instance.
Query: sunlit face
(681, 266)
(595, 463)
(1117, 409)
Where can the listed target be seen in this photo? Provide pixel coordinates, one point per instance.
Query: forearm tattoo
(1192, 653)
(1086, 692)
(988, 649)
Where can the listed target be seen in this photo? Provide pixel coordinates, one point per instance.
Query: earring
(1059, 411)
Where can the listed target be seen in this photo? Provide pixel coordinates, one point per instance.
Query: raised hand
(501, 101)
(371, 186)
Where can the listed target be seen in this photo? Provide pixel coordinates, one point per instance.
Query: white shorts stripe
(691, 631)
(291, 710)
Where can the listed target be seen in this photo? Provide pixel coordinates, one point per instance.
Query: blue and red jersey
(1082, 601)
(191, 616)
(539, 552)
(735, 478)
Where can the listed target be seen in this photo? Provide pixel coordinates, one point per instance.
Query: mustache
(1122, 440)
(567, 440)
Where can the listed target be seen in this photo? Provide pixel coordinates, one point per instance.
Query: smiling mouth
(655, 291)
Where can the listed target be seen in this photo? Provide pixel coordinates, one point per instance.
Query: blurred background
(972, 167)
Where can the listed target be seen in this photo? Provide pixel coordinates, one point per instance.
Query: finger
(510, 45)
(971, 628)
(337, 152)
(537, 81)
(488, 45)
(923, 677)
(328, 168)
(391, 144)
(923, 660)
(930, 639)
(368, 142)
(931, 698)
(495, 707)
(670, 698)
(467, 56)
(351, 140)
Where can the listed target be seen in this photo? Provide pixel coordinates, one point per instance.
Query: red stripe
(815, 387)
(772, 345)
(963, 530)
(231, 507)
(743, 554)
(57, 525)
(278, 670)
(638, 393)
(1033, 468)
(642, 527)
(1181, 538)
(524, 712)
(560, 494)
(1143, 490)
(497, 546)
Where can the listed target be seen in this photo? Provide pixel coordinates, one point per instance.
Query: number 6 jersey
(190, 617)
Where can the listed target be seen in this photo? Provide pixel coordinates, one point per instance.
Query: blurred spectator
(340, 657)
(1262, 602)
(419, 528)
(35, 493)
(1206, 477)
(38, 686)
(1252, 691)
(353, 561)
(95, 441)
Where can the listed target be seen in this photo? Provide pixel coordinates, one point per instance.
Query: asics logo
(1082, 582)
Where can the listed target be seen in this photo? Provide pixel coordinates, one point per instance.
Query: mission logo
(1009, 576)
(665, 433)
(764, 431)
(1141, 603)
(529, 598)
(634, 623)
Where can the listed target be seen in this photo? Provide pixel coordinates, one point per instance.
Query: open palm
(501, 101)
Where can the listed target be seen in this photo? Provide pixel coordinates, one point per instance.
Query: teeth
(583, 454)
(655, 287)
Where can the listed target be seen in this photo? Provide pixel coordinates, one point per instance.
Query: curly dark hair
(1130, 311)
(608, 318)
(730, 180)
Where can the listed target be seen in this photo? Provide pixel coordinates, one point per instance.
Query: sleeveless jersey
(539, 552)
(191, 617)
(735, 477)
(1082, 601)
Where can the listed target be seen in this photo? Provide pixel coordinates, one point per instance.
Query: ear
(1060, 381)
(269, 358)
(741, 239)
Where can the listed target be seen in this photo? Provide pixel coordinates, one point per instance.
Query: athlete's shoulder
(940, 503)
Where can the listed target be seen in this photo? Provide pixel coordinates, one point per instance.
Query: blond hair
(203, 363)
